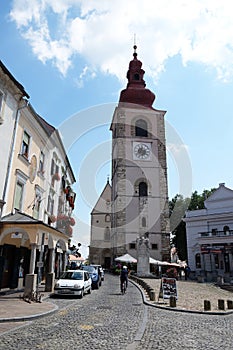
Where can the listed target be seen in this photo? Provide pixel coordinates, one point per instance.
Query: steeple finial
(135, 47)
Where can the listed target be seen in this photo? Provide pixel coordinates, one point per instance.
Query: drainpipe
(2, 201)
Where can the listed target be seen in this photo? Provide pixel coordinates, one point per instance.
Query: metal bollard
(229, 304)
(221, 304)
(152, 295)
(172, 301)
(207, 305)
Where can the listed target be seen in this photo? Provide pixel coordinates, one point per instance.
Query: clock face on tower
(141, 151)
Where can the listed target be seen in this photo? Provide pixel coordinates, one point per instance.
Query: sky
(72, 57)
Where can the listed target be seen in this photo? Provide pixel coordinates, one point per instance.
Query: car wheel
(97, 286)
(89, 291)
(100, 283)
(81, 294)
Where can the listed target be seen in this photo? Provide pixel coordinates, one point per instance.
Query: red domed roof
(136, 91)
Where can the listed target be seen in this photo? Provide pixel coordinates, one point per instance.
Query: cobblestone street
(108, 320)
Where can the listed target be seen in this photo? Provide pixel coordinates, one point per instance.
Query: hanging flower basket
(72, 221)
(52, 218)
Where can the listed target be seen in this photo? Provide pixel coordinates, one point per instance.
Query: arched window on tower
(142, 189)
(136, 76)
(141, 128)
(143, 222)
(107, 218)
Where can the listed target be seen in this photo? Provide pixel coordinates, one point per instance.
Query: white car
(73, 282)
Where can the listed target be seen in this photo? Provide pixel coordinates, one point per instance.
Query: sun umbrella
(127, 258)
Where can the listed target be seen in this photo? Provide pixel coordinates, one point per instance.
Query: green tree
(177, 207)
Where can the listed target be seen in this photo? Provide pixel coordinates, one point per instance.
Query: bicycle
(123, 287)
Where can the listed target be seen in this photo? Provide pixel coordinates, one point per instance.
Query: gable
(221, 198)
(103, 204)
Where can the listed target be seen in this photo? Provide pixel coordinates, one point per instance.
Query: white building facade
(13, 98)
(210, 236)
(37, 199)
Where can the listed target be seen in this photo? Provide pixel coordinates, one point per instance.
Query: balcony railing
(216, 234)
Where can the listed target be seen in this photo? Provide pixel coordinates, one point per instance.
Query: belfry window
(136, 76)
(143, 222)
(141, 128)
(142, 189)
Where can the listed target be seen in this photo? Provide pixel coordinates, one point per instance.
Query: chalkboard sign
(168, 288)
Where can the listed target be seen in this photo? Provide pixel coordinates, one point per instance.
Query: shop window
(216, 261)
(25, 144)
(198, 260)
(142, 189)
(141, 128)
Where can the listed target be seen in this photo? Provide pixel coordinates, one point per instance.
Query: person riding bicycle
(124, 277)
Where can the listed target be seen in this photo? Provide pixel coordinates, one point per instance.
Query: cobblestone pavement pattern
(107, 320)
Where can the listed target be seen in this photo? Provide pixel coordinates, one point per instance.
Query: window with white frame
(25, 144)
(36, 206)
(21, 179)
(18, 200)
(41, 163)
(50, 206)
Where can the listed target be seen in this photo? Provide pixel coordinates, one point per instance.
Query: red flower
(72, 221)
(52, 218)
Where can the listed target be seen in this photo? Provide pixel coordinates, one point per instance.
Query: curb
(31, 317)
(168, 308)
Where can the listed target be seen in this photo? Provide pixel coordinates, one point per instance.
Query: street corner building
(209, 234)
(36, 196)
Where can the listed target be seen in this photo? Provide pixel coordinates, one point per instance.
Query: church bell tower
(139, 170)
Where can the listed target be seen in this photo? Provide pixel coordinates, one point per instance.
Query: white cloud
(101, 32)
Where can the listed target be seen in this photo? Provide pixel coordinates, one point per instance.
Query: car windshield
(90, 269)
(72, 275)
